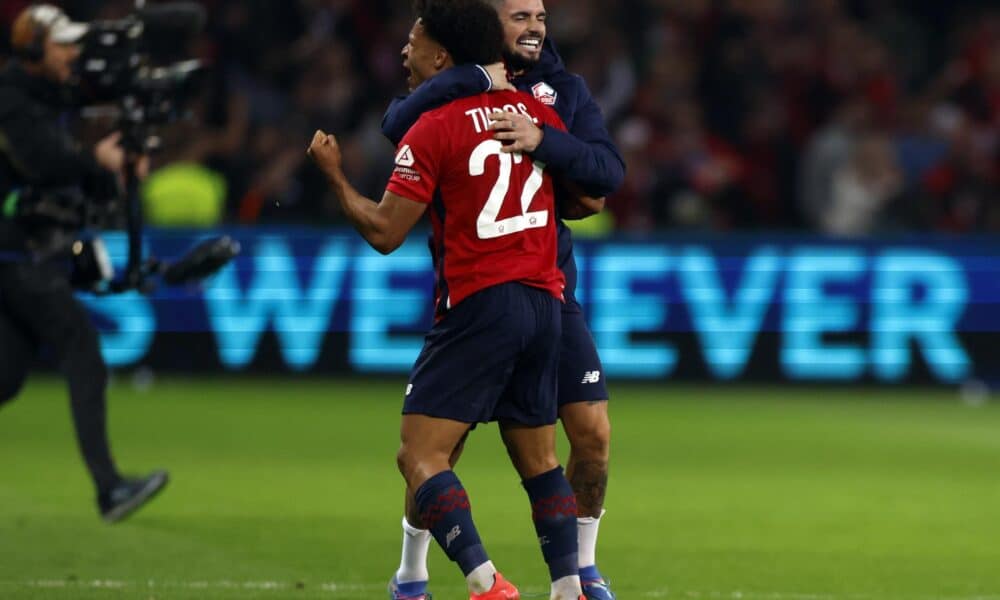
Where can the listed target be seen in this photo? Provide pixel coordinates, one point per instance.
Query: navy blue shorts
(581, 377)
(493, 357)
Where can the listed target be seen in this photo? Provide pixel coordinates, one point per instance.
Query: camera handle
(201, 261)
(134, 274)
(137, 270)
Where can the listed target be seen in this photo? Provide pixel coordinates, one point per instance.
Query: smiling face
(524, 31)
(422, 56)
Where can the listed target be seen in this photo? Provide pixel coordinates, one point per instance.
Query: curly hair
(469, 30)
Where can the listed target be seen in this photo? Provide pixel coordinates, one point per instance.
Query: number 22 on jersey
(487, 225)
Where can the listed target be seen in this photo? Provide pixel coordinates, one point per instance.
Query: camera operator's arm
(44, 154)
(111, 156)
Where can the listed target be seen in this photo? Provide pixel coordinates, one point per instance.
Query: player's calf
(588, 430)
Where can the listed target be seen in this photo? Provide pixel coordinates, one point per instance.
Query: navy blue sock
(445, 510)
(553, 509)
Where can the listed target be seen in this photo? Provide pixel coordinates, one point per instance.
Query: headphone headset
(31, 29)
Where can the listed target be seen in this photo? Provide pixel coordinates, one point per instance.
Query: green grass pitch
(287, 488)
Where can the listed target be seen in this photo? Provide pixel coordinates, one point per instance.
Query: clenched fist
(325, 152)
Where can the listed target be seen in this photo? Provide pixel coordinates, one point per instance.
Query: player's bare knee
(532, 450)
(457, 452)
(530, 470)
(402, 460)
(532, 462)
(590, 439)
(418, 463)
(409, 459)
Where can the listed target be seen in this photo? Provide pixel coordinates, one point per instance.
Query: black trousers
(38, 308)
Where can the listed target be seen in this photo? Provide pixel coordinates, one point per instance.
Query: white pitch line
(334, 588)
(764, 595)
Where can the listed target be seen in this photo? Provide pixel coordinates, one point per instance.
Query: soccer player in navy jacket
(585, 156)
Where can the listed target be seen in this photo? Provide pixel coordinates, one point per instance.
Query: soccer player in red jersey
(493, 352)
(586, 156)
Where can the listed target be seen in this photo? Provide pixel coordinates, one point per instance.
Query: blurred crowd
(838, 116)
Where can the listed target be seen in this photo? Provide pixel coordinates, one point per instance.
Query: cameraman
(37, 303)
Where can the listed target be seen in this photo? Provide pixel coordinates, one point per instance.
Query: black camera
(118, 64)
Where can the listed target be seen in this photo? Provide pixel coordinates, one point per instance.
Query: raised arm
(385, 224)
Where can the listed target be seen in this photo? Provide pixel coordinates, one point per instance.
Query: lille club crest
(544, 93)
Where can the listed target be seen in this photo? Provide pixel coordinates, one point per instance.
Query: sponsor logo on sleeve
(405, 157)
(404, 165)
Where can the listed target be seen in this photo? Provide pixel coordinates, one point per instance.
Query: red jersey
(493, 213)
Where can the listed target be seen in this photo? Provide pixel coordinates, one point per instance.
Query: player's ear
(442, 60)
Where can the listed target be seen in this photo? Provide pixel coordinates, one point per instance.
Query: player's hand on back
(325, 152)
(517, 132)
(498, 75)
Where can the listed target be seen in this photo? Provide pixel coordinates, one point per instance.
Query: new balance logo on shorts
(591, 377)
(454, 533)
